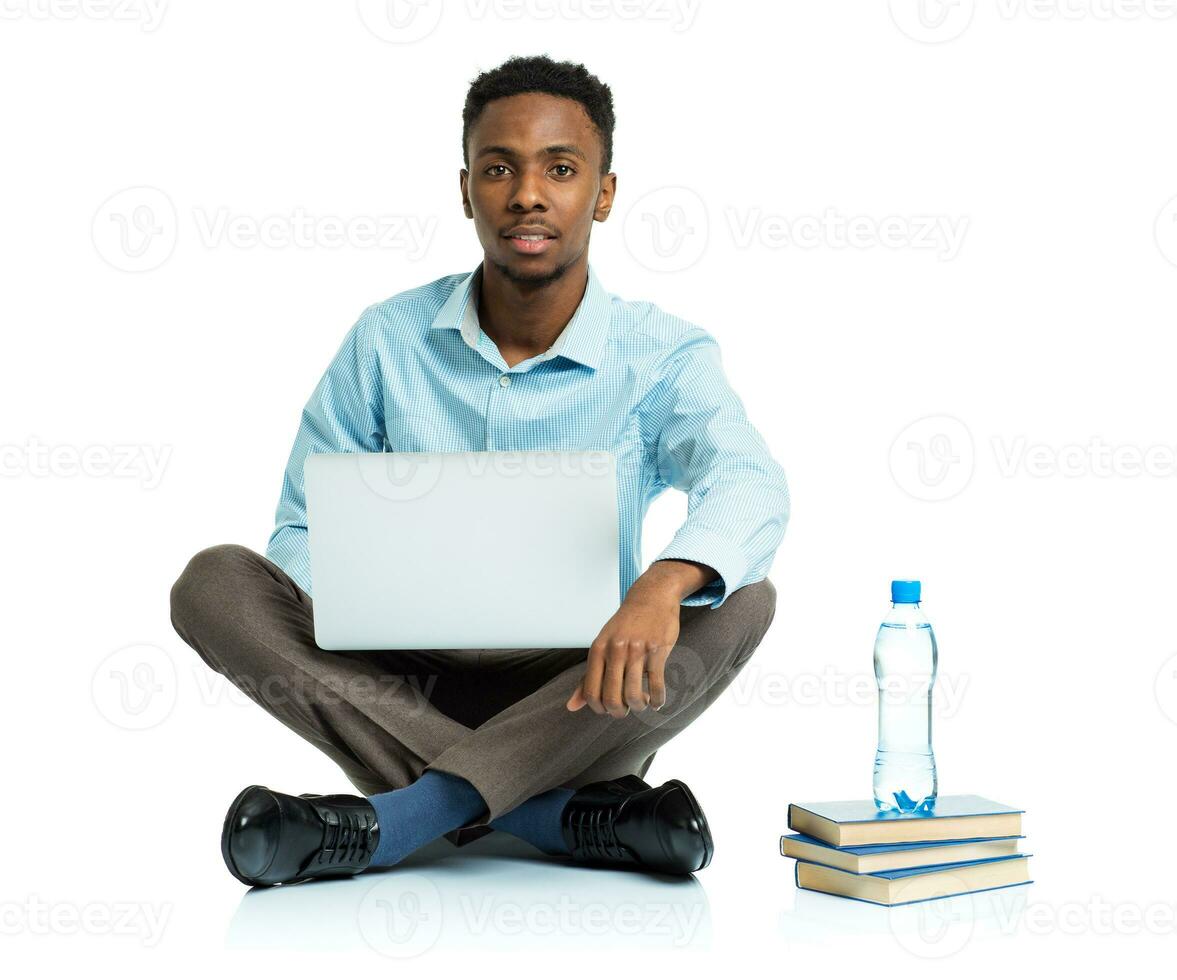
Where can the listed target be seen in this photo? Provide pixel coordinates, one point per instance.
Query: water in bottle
(905, 670)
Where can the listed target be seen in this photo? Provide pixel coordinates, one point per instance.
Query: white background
(793, 157)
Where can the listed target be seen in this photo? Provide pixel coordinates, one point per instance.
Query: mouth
(530, 244)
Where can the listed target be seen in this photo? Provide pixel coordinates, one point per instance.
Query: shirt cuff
(288, 550)
(709, 547)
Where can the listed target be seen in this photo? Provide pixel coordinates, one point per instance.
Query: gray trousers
(494, 717)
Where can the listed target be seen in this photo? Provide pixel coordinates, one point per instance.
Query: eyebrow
(557, 149)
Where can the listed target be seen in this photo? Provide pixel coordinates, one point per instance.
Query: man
(527, 352)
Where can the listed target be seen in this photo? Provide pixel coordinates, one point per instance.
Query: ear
(605, 197)
(463, 178)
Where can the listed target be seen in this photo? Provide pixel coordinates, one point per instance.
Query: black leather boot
(272, 837)
(625, 823)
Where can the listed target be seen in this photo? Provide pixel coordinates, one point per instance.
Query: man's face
(535, 169)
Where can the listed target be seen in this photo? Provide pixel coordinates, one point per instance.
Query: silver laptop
(505, 549)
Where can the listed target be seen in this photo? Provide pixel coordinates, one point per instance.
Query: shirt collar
(583, 340)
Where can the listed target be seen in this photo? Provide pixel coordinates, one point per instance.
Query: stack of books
(965, 844)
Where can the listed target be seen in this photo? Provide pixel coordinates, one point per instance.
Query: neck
(524, 317)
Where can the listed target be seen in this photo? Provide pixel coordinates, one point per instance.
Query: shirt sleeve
(737, 494)
(345, 413)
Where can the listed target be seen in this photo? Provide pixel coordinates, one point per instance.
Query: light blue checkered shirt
(417, 374)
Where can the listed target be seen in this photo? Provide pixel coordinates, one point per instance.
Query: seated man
(528, 351)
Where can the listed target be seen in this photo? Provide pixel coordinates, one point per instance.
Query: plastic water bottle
(905, 670)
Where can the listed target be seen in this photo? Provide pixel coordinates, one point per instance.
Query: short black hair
(539, 73)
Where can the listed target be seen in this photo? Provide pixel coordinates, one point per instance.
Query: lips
(529, 246)
(529, 240)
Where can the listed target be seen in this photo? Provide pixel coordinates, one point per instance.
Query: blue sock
(435, 804)
(537, 820)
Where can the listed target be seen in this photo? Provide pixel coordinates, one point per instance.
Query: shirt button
(504, 380)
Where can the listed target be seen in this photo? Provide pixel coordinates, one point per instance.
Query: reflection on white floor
(490, 894)
(931, 930)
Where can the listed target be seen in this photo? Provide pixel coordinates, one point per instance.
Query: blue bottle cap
(905, 590)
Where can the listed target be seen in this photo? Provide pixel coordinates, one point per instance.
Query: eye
(566, 167)
(495, 166)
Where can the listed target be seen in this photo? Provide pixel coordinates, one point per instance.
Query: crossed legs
(496, 718)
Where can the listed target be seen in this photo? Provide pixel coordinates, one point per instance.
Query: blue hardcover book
(907, 885)
(856, 822)
(869, 858)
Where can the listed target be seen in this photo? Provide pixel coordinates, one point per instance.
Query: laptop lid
(494, 549)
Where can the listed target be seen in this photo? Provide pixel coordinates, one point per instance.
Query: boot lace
(349, 837)
(592, 831)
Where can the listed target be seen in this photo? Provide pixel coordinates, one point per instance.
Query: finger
(656, 677)
(611, 692)
(635, 670)
(591, 684)
(577, 701)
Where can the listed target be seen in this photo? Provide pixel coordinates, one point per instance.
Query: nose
(527, 192)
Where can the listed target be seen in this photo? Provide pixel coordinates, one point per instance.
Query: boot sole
(697, 812)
